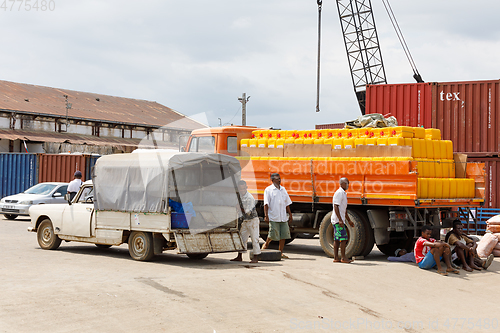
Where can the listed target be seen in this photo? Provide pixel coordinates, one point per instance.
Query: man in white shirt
(250, 224)
(276, 205)
(74, 185)
(339, 216)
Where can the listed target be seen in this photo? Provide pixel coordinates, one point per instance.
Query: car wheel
(10, 216)
(197, 256)
(46, 237)
(140, 246)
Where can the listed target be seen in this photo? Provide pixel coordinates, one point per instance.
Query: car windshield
(40, 189)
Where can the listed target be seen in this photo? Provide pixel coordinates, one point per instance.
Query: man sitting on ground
(465, 248)
(428, 252)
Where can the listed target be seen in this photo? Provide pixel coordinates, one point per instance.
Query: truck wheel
(197, 256)
(370, 238)
(140, 245)
(46, 237)
(10, 216)
(355, 242)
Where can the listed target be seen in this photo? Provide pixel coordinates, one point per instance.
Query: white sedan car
(43, 193)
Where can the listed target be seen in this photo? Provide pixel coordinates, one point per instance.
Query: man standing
(74, 185)
(428, 252)
(276, 206)
(250, 224)
(339, 216)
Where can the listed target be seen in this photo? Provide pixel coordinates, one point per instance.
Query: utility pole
(244, 99)
(68, 106)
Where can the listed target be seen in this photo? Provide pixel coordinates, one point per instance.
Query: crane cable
(320, 4)
(392, 17)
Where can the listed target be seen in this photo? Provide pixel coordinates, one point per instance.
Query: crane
(362, 45)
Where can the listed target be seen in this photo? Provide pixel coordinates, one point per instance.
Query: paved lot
(80, 288)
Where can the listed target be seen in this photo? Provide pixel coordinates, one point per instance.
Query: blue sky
(198, 57)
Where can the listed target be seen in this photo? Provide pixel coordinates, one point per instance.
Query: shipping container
(18, 172)
(60, 167)
(90, 162)
(410, 103)
(491, 181)
(468, 113)
(329, 126)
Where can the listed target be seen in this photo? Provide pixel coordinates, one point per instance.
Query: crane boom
(362, 46)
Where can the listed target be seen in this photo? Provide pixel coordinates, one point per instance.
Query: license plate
(9, 207)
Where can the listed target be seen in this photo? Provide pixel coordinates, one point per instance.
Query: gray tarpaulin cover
(143, 182)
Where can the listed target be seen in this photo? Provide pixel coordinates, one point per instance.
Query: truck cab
(222, 140)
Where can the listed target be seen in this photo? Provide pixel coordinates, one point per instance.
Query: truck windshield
(203, 144)
(87, 195)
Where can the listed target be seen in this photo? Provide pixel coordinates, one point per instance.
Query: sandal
(284, 257)
(443, 273)
(346, 261)
(453, 270)
(336, 260)
(488, 261)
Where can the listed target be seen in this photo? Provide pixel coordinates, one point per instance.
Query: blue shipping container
(18, 172)
(90, 164)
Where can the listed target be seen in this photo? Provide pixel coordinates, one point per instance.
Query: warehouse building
(39, 119)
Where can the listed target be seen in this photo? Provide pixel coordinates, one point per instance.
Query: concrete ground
(81, 288)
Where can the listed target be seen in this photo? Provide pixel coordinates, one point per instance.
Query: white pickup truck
(132, 200)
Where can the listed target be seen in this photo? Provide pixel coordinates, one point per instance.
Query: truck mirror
(67, 197)
(183, 149)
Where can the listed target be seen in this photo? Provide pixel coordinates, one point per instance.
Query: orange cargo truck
(400, 179)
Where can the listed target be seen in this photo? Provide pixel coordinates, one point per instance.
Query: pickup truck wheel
(140, 245)
(10, 216)
(197, 256)
(356, 234)
(46, 237)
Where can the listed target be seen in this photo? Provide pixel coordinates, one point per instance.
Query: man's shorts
(278, 231)
(428, 262)
(339, 233)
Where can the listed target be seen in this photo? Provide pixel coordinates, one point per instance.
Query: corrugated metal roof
(51, 101)
(81, 139)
